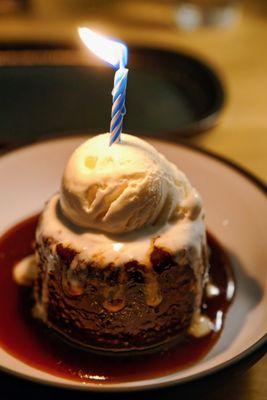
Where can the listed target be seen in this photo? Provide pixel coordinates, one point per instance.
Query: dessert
(121, 253)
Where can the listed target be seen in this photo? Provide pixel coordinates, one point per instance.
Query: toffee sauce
(28, 340)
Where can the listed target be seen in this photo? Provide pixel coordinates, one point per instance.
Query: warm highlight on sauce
(32, 343)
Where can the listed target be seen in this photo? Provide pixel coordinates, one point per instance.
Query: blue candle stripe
(120, 85)
(117, 121)
(120, 90)
(119, 104)
(116, 135)
(118, 107)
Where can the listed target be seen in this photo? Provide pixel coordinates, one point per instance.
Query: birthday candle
(115, 53)
(118, 106)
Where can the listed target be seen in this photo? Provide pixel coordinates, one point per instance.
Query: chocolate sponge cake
(121, 254)
(110, 305)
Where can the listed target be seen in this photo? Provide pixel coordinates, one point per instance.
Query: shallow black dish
(46, 89)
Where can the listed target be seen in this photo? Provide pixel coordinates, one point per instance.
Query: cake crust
(118, 308)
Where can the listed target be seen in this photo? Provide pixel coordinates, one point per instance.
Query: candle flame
(109, 50)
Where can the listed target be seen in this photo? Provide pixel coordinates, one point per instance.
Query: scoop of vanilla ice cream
(123, 187)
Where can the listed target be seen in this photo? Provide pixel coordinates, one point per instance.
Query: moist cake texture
(109, 298)
(121, 253)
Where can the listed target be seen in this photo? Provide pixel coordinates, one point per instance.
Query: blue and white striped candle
(116, 54)
(118, 104)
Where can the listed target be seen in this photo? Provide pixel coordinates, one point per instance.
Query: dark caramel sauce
(28, 340)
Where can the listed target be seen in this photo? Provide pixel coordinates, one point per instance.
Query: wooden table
(238, 53)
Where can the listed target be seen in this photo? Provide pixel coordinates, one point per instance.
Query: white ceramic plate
(236, 213)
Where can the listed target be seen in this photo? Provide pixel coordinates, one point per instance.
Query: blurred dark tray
(167, 92)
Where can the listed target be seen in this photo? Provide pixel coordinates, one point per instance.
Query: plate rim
(244, 171)
(259, 345)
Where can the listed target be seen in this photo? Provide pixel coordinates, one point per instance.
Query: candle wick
(122, 61)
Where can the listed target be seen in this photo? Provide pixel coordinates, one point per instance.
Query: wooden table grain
(239, 54)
